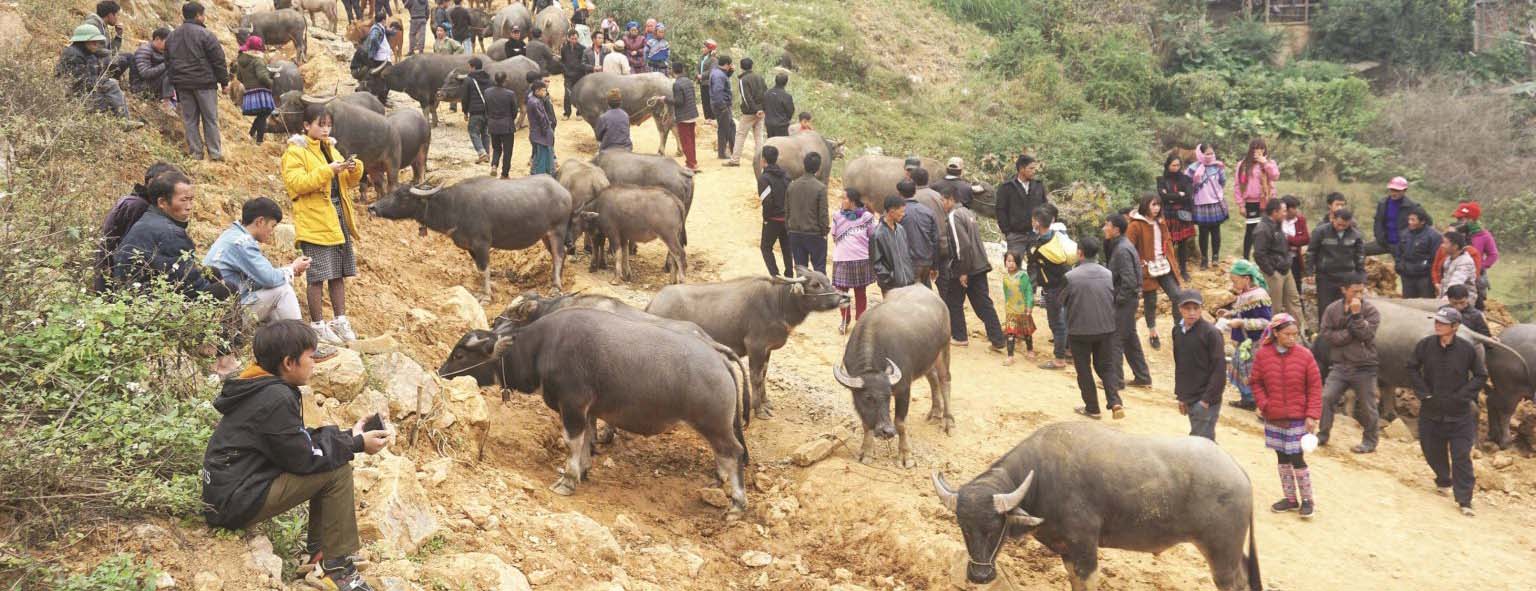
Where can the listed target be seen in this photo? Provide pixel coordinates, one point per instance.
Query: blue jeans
(477, 134)
(1055, 317)
(809, 251)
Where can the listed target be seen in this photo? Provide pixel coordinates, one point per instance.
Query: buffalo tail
(1255, 582)
(744, 417)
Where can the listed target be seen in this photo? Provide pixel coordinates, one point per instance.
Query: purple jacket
(850, 238)
(541, 129)
(128, 209)
(1484, 242)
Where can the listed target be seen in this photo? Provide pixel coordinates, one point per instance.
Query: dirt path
(1379, 526)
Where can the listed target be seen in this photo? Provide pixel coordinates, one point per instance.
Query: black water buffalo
(904, 337)
(368, 135)
(649, 170)
(753, 315)
(289, 115)
(415, 140)
(625, 389)
(419, 76)
(484, 213)
(792, 151)
(285, 77)
(1080, 486)
(624, 214)
(645, 96)
(511, 15)
(277, 28)
(516, 69)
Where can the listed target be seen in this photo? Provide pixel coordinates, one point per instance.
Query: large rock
(457, 303)
(283, 237)
(397, 513)
(409, 388)
(580, 533)
(378, 345)
(265, 567)
(476, 570)
(341, 377)
(207, 581)
(461, 388)
(814, 451)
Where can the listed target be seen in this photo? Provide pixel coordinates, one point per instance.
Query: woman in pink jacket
(851, 268)
(1256, 176)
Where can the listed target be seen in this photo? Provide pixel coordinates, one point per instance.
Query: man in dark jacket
(952, 171)
(157, 244)
(888, 248)
(935, 203)
(1199, 366)
(707, 64)
(461, 20)
(752, 90)
(501, 122)
(922, 230)
(1415, 256)
(806, 214)
(965, 276)
(1392, 216)
(576, 62)
(772, 188)
(1337, 252)
(778, 107)
(1016, 202)
(106, 20)
(1459, 296)
(261, 461)
(1125, 266)
(121, 218)
(147, 76)
(515, 45)
(1447, 373)
(420, 11)
(86, 66)
(197, 70)
(1089, 292)
(1051, 277)
(1349, 327)
(472, 98)
(720, 104)
(1272, 253)
(613, 125)
(685, 115)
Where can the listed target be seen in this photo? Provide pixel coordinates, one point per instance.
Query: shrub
(1422, 34)
(1104, 148)
(1115, 64)
(119, 572)
(1467, 142)
(1509, 218)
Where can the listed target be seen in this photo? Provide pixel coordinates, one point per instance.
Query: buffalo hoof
(763, 412)
(949, 425)
(605, 434)
(934, 417)
(565, 486)
(735, 514)
(907, 462)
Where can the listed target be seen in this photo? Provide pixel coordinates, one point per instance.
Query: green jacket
(251, 70)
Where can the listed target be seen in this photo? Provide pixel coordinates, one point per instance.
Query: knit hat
(1246, 268)
(86, 33)
(254, 43)
(710, 43)
(1468, 210)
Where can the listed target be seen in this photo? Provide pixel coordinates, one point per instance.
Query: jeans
(1202, 420)
(777, 130)
(332, 508)
(977, 291)
(1285, 296)
(200, 118)
(685, 140)
(809, 251)
(725, 131)
(269, 305)
(501, 151)
(1149, 300)
(1096, 353)
(1055, 317)
(1418, 287)
(774, 231)
(1363, 381)
(418, 35)
(1129, 343)
(747, 123)
(354, 9)
(1447, 446)
(477, 134)
(1210, 244)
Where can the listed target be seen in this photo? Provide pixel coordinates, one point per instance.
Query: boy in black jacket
(262, 461)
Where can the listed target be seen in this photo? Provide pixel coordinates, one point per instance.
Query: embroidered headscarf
(1246, 268)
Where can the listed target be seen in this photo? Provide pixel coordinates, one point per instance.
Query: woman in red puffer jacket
(1289, 392)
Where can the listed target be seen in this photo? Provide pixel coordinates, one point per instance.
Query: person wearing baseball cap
(1447, 374)
(952, 181)
(1199, 365)
(1467, 215)
(1392, 216)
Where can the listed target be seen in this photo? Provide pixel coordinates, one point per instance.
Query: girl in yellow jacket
(321, 182)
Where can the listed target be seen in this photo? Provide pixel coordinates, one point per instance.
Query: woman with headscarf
(634, 47)
(1148, 232)
(1481, 240)
(1247, 317)
(1177, 194)
(1208, 177)
(251, 71)
(1289, 392)
(1256, 176)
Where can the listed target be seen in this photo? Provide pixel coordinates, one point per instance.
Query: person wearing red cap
(1392, 217)
(1467, 214)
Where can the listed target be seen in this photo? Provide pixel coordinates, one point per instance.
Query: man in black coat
(472, 98)
(1447, 373)
(158, 246)
(772, 187)
(778, 107)
(576, 61)
(1016, 202)
(1125, 264)
(752, 90)
(1336, 253)
(1199, 366)
(1392, 217)
(197, 70)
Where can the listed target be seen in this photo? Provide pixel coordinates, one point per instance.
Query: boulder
(678, 562)
(13, 30)
(378, 345)
(581, 534)
(284, 236)
(266, 567)
(409, 388)
(1491, 480)
(476, 570)
(165, 581)
(479, 514)
(436, 471)
(420, 316)
(461, 388)
(207, 581)
(813, 451)
(341, 377)
(397, 513)
(460, 305)
(756, 558)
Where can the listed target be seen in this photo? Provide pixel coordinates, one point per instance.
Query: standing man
(1392, 216)
(613, 124)
(1415, 256)
(1090, 290)
(935, 203)
(472, 97)
(461, 20)
(778, 107)
(1337, 253)
(965, 276)
(1447, 375)
(806, 203)
(197, 70)
(441, 17)
(1125, 266)
(1048, 268)
(539, 51)
(772, 188)
(1016, 203)
(720, 101)
(952, 171)
(1199, 366)
(706, 68)
(752, 89)
(1272, 253)
(1349, 327)
(685, 112)
(922, 226)
(577, 62)
(419, 11)
(888, 248)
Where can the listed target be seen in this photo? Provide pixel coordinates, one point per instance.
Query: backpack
(1061, 250)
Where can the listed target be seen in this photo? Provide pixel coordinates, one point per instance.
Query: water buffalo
(285, 77)
(415, 140)
(516, 68)
(644, 96)
(480, 22)
(553, 23)
(514, 14)
(906, 336)
(875, 177)
(277, 28)
(792, 151)
(484, 213)
(753, 315)
(289, 115)
(628, 215)
(368, 135)
(649, 170)
(313, 7)
(1080, 486)
(625, 389)
(419, 76)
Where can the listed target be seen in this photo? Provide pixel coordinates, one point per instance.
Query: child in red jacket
(1288, 391)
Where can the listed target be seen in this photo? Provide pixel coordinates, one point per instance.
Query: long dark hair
(1170, 160)
(1144, 207)
(1248, 161)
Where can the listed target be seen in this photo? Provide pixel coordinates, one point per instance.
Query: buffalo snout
(885, 430)
(980, 574)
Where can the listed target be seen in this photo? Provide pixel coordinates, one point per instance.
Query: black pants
(976, 290)
(1296, 272)
(1251, 213)
(501, 151)
(1418, 287)
(774, 231)
(709, 107)
(258, 130)
(809, 250)
(1328, 292)
(1297, 460)
(570, 94)
(1096, 353)
(1210, 243)
(777, 130)
(354, 9)
(1447, 446)
(1129, 343)
(725, 131)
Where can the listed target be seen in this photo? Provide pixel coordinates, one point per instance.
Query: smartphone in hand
(374, 423)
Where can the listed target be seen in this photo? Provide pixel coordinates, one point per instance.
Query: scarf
(1204, 158)
(1473, 227)
(854, 214)
(1247, 269)
(1277, 323)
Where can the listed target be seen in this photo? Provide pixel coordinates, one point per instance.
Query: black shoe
(344, 575)
(1155, 342)
(1140, 383)
(1359, 449)
(1284, 505)
(1084, 411)
(1307, 509)
(1246, 405)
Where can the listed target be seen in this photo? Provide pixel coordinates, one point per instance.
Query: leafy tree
(1422, 34)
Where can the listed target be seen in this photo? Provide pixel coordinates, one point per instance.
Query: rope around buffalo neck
(995, 549)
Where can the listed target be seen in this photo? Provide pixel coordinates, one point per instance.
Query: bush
(1421, 34)
(1509, 218)
(1103, 148)
(119, 572)
(1116, 66)
(1467, 142)
(1304, 101)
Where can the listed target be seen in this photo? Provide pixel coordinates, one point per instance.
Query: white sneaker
(325, 334)
(343, 329)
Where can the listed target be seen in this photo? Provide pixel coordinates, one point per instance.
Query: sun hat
(1398, 184)
(86, 33)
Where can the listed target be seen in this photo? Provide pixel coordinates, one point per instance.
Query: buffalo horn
(841, 373)
(891, 371)
(425, 190)
(475, 340)
(1005, 502)
(502, 342)
(949, 497)
(380, 69)
(790, 280)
